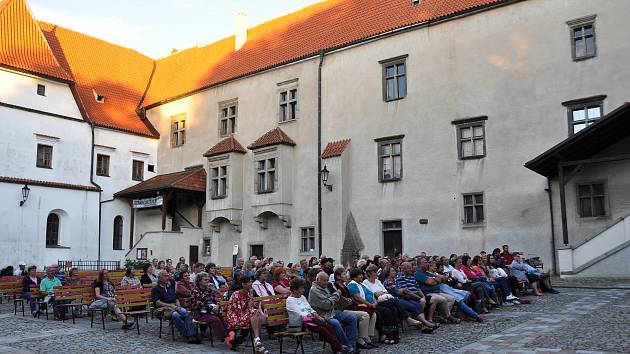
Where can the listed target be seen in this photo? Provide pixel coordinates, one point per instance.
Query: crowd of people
(354, 306)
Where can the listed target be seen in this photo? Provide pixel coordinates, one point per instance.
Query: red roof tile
(335, 148)
(191, 180)
(322, 26)
(22, 44)
(273, 137)
(51, 184)
(229, 144)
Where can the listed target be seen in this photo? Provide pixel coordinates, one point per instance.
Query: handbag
(385, 297)
(99, 304)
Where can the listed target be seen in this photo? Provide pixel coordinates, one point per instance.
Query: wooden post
(131, 223)
(563, 205)
(164, 202)
(200, 203)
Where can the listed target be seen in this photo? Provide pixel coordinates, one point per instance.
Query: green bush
(135, 263)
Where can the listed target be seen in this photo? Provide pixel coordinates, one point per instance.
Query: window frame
(230, 129)
(476, 222)
(102, 172)
(116, 236)
(581, 23)
(470, 123)
(178, 134)
(266, 172)
(398, 139)
(43, 160)
(578, 198)
(307, 233)
(49, 236)
(389, 63)
(133, 170)
(583, 103)
(221, 180)
(288, 89)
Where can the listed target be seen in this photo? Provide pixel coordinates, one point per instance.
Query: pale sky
(154, 27)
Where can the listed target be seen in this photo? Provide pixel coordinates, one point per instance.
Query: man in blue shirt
(167, 306)
(407, 285)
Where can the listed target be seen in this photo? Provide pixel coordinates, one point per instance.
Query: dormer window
(98, 98)
(41, 90)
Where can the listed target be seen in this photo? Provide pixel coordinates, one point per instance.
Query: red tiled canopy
(191, 180)
(273, 137)
(229, 144)
(335, 148)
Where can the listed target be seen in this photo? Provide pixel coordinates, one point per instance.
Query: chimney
(240, 36)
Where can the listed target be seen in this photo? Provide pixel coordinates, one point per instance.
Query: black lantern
(325, 174)
(25, 191)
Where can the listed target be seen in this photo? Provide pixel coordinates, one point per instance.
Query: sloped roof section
(304, 33)
(191, 180)
(229, 144)
(22, 44)
(119, 75)
(273, 137)
(335, 148)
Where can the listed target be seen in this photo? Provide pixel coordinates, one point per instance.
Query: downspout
(319, 151)
(100, 195)
(553, 233)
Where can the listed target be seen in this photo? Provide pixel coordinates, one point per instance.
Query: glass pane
(293, 94)
(578, 114)
(283, 96)
(182, 124)
(261, 165)
(590, 46)
(224, 112)
(478, 198)
(402, 86)
(215, 187)
(261, 182)
(478, 147)
(599, 209)
(585, 207)
(283, 112)
(233, 110)
(468, 215)
(224, 127)
(312, 244)
(397, 167)
(389, 71)
(304, 244)
(588, 30)
(215, 172)
(577, 32)
(271, 183)
(467, 148)
(479, 211)
(584, 190)
(396, 149)
(598, 189)
(465, 132)
(594, 112)
(578, 127)
(580, 49)
(468, 199)
(182, 137)
(224, 171)
(400, 69)
(478, 131)
(272, 163)
(391, 87)
(386, 149)
(387, 168)
(293, 110)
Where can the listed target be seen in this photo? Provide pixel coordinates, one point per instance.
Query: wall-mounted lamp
(25, 191)
(325, 174)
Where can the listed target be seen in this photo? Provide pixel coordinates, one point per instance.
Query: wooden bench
(134, 302)
(66, 297)
(7, 287)
(277, 315)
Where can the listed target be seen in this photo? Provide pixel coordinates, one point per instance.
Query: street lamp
(325, 174)
(25, 191)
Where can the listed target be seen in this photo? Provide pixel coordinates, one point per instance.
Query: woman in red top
(281, 283)
(184, 288)
(241, 313)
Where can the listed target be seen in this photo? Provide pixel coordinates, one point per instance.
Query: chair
(134, 303)
(277, 315)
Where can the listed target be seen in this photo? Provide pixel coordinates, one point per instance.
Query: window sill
(264, 192)
(473, 226)
(137, 180)
(46, 167)
(218, 197)
(476, 157)
(594, 218)
(118, 249)
(585, 57)
(57, 246)
(102, 175)
(176, 146)
(393, 99)
(390, 180)
(288, 121)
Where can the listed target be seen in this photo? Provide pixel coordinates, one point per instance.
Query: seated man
(407, 288)
(327, 305)
(47, 286)
(167, 306)
(536, 278)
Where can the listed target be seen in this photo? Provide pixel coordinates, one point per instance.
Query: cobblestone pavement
(575, 321)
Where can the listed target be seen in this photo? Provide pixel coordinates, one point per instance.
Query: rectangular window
(41, 90)
(308, 239)
(151, 168)
(288, 105)
(137, 170)
(390, 160)
(227, 118)
(178, 130)
(394, 78)
(582, 116)
(473, 208)
(218, 177)
(583, 37)
(266, 175)
(102, 165)
(471, 140)
(44, 156)
(591, 200)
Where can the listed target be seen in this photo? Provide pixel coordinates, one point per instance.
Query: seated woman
(302, 314)
(147, 276)
(465, 268)
(205, 306)
(104, 293)
(184, 288)
(244, 315)
(281, 283)
(479, 268)
(130, 278)
(367, 322)
(476, 289)
(412, 304)
(261, 287)
(31, 279)
(71, 278)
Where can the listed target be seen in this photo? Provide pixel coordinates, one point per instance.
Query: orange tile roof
(273, 137)
(33, 182)
(192, 180)
(119, 74)
(22, 45)
(229, 144)
(335, 148)
(304, 33)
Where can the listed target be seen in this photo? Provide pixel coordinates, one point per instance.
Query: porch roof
(191, 180)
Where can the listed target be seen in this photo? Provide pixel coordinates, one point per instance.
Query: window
(118, 232)
(102, 165)
(583, 115)
(394, 78)
(52, 230)
(471, 140)
(219, 182)
(41, 90)
(266, 175)
(227, 118)
(591, 200)
(390, 159)
(583, 37)
(44, 156)
(137, 170)
(308, 239)
(473, 208)
(392, 237)
(151, 168)
(178, 130)
(288, 104)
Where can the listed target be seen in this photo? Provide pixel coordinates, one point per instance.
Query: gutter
(553, 232)
(319, 151)
(100, 196)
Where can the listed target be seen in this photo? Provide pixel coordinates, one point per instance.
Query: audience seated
(147, 277)
(47, 286)
(30, 279)
(205, 306)
(167, 306)
(365, 315)
(105, 297)
(244, 314)
(130, 278)
(281, 283)
(184, 288)
(261, 287)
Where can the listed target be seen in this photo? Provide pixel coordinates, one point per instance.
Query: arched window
(118, 232)
(52, 230)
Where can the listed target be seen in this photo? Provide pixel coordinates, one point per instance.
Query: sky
(155, 27)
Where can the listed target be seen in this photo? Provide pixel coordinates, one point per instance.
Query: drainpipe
(319, 151)
(100, 195)
(553, 233)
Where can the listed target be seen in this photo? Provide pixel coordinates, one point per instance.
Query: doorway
(256, 250)
(392, 238)
(193, 254)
